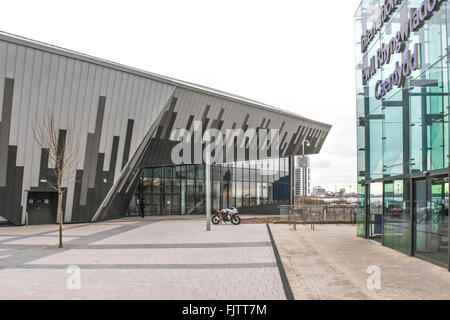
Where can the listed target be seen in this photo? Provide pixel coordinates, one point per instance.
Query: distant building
(319, 192)
(341, 193)
(302, 177)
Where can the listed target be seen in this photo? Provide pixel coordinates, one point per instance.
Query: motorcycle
(226, 215)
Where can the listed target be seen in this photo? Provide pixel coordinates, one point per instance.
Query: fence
(318, 214)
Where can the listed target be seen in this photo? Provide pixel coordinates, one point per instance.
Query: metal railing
(317, 214)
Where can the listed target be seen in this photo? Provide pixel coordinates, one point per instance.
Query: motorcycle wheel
(215, 219)
(236, 220)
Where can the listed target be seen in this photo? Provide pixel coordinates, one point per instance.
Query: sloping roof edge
(16, 39)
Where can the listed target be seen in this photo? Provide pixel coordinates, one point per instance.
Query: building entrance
(42, 207)
(376, 211)
(431, 237)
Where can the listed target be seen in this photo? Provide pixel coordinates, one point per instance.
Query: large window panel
(431, 219)
(361, 220)
(239, 200)
(396, 220)
(392, 141)
(376, 211)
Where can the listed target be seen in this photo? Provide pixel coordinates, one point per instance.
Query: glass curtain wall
(361, 210)
(431, 219)
(396, 220)
(179, 190)
(403, 138)
(376, 211)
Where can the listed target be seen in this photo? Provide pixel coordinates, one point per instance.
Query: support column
(448, 163)
(367, 161)
(408, 189)
(291, 180)
(411, 217)
(208, 194)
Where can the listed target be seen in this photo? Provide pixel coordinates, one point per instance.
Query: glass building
(180, 190)
(402, 95)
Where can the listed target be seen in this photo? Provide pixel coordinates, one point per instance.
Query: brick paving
(140, 259)
(331, 263)
(174, 258)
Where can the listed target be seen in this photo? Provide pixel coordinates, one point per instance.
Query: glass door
(376, 211)
(431, 219)
(396, 219)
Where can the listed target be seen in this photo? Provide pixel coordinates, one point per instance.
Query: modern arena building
(125, 121)
(402, 64)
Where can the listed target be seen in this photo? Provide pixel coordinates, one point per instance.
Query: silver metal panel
(161, 79)
(3, 62)
(142, 111)
(118, 120)
(42, 87)
(26, 106)
(11, 62)
(16, 58)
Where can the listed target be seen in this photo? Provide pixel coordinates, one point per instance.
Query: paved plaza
(330, 262)
(174, 258)
(136, 259)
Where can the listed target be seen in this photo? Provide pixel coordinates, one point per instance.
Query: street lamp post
(208, 204)
(308, 144)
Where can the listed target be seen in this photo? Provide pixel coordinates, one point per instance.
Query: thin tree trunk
(60, 216)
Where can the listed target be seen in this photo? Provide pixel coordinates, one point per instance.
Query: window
(396, 220)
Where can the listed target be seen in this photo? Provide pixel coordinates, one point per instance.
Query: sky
(295, 55)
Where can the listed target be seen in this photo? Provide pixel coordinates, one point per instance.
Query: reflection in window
(396, 219)
(181, 189)
(431, 219)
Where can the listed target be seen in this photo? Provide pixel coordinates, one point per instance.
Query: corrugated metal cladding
(121, 117)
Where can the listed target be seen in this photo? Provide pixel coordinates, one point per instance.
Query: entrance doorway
(42, 207)
(376, 211)
(431, 237)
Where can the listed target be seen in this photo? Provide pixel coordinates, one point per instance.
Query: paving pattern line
(180, 245)
(27, 256)
(147, 266)
(284, 279)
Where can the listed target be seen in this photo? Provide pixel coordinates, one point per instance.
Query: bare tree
(62, 154)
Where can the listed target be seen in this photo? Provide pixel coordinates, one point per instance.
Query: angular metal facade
(123, 117)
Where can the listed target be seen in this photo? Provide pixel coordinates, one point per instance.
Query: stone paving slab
(24, 231)
(143, 259)
(40, 240)
(331, 263)
(160, 256)
(6, 238)
(87, 230)
(190, 231)
(240, 284)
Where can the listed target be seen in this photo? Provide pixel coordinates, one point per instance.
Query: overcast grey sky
(296, 55)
